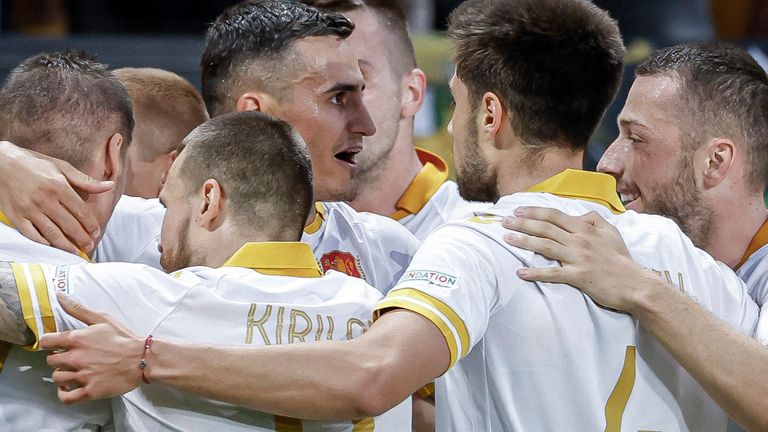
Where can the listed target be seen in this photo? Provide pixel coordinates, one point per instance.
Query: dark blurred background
(169, 34)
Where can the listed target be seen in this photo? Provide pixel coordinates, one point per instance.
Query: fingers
(542, 246)
(76, 395)
(536, 228)
(66, 221)
(55, 342)
(28, 230)
(548, 274)
(51, 232)
(80, 180)
(597, 221)
(79, 311)
(552, 216)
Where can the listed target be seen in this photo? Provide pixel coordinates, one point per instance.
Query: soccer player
(318, 91)
(691, 147)
(513, 355)
(253, 283)
(395, 178)
(68, 106)
(166, 108)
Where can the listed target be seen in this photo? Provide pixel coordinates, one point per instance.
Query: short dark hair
(724, 93)
(263, 31)
(555, 64)
(391, 14)
(56, 102)
(261, 163)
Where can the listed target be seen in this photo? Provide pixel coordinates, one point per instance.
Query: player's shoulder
(370, 225)
(15, 247)
(451, 205)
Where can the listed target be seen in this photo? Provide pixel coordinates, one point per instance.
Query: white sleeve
(761, 333)
(133, 233)
(136, 295)
(452, 281)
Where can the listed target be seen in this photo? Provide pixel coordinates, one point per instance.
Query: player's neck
(735, 223)
(517, 175)
(381, 194)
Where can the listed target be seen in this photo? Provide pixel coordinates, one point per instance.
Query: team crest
(343, 262)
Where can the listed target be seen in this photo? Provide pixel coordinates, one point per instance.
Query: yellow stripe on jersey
(426, 391)
(617, 401)
(35, 303)
(363, 425)
(287, 424)
(317, 222)
(450, 324)
(43, 301)
(25, 296)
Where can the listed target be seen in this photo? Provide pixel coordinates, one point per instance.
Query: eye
(339, 98)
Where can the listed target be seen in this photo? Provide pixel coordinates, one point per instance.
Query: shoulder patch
(61, 280)
(437, 278)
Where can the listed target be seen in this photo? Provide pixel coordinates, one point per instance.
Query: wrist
(647, 293)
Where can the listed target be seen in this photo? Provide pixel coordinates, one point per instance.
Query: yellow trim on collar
(317, 222)
(584, 185)
(432, 175)
(5, 221)
(277, 258)
(759, 240)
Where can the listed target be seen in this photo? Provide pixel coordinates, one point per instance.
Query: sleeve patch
(443, 280)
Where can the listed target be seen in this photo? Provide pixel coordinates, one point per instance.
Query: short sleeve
(138, 296)
(452, 281)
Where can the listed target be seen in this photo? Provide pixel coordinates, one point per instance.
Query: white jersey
(28, 400)
(133, 233)
(544, 357)
(286, 300)
(754, 272)
(431, 199)
(363, 245)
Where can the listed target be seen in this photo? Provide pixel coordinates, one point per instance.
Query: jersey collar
(5, 221)
(759, 240)
(432, 175)
(584, 185)
(277, 258)
(317, 222)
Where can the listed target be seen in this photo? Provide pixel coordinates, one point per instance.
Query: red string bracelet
(143, 362)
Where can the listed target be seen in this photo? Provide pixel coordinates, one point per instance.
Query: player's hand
(591, 252)
(97, 362)
(44, 205)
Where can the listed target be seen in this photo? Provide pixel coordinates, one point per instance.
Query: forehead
(654, 96)
(370, 40)
(326, 59)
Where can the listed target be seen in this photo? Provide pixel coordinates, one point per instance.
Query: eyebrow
(345, 87)
(631, 121)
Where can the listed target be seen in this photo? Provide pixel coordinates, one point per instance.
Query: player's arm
(13, 329)
(45, 205)
(730, 366)
(364, 377)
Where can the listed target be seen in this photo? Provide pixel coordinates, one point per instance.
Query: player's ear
(493, 119)
(112, 161)
(212, 205)
(720, 154)
(255, 101)
(414, 91)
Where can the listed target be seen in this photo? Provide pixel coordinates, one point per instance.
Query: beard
(180, 257)
(682, 201)
(476, 180)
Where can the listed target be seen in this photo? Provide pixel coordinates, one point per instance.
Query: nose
(363, 122)
(613, 160)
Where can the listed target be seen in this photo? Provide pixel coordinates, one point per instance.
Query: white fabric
(380, 248)
(544, 357)
(754, 272)
(28, 400)
(133, 233)
(445, 205)
(227, 306)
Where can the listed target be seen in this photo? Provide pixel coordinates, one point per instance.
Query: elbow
(375, 389)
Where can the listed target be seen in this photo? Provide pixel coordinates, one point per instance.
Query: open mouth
(348, 156)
